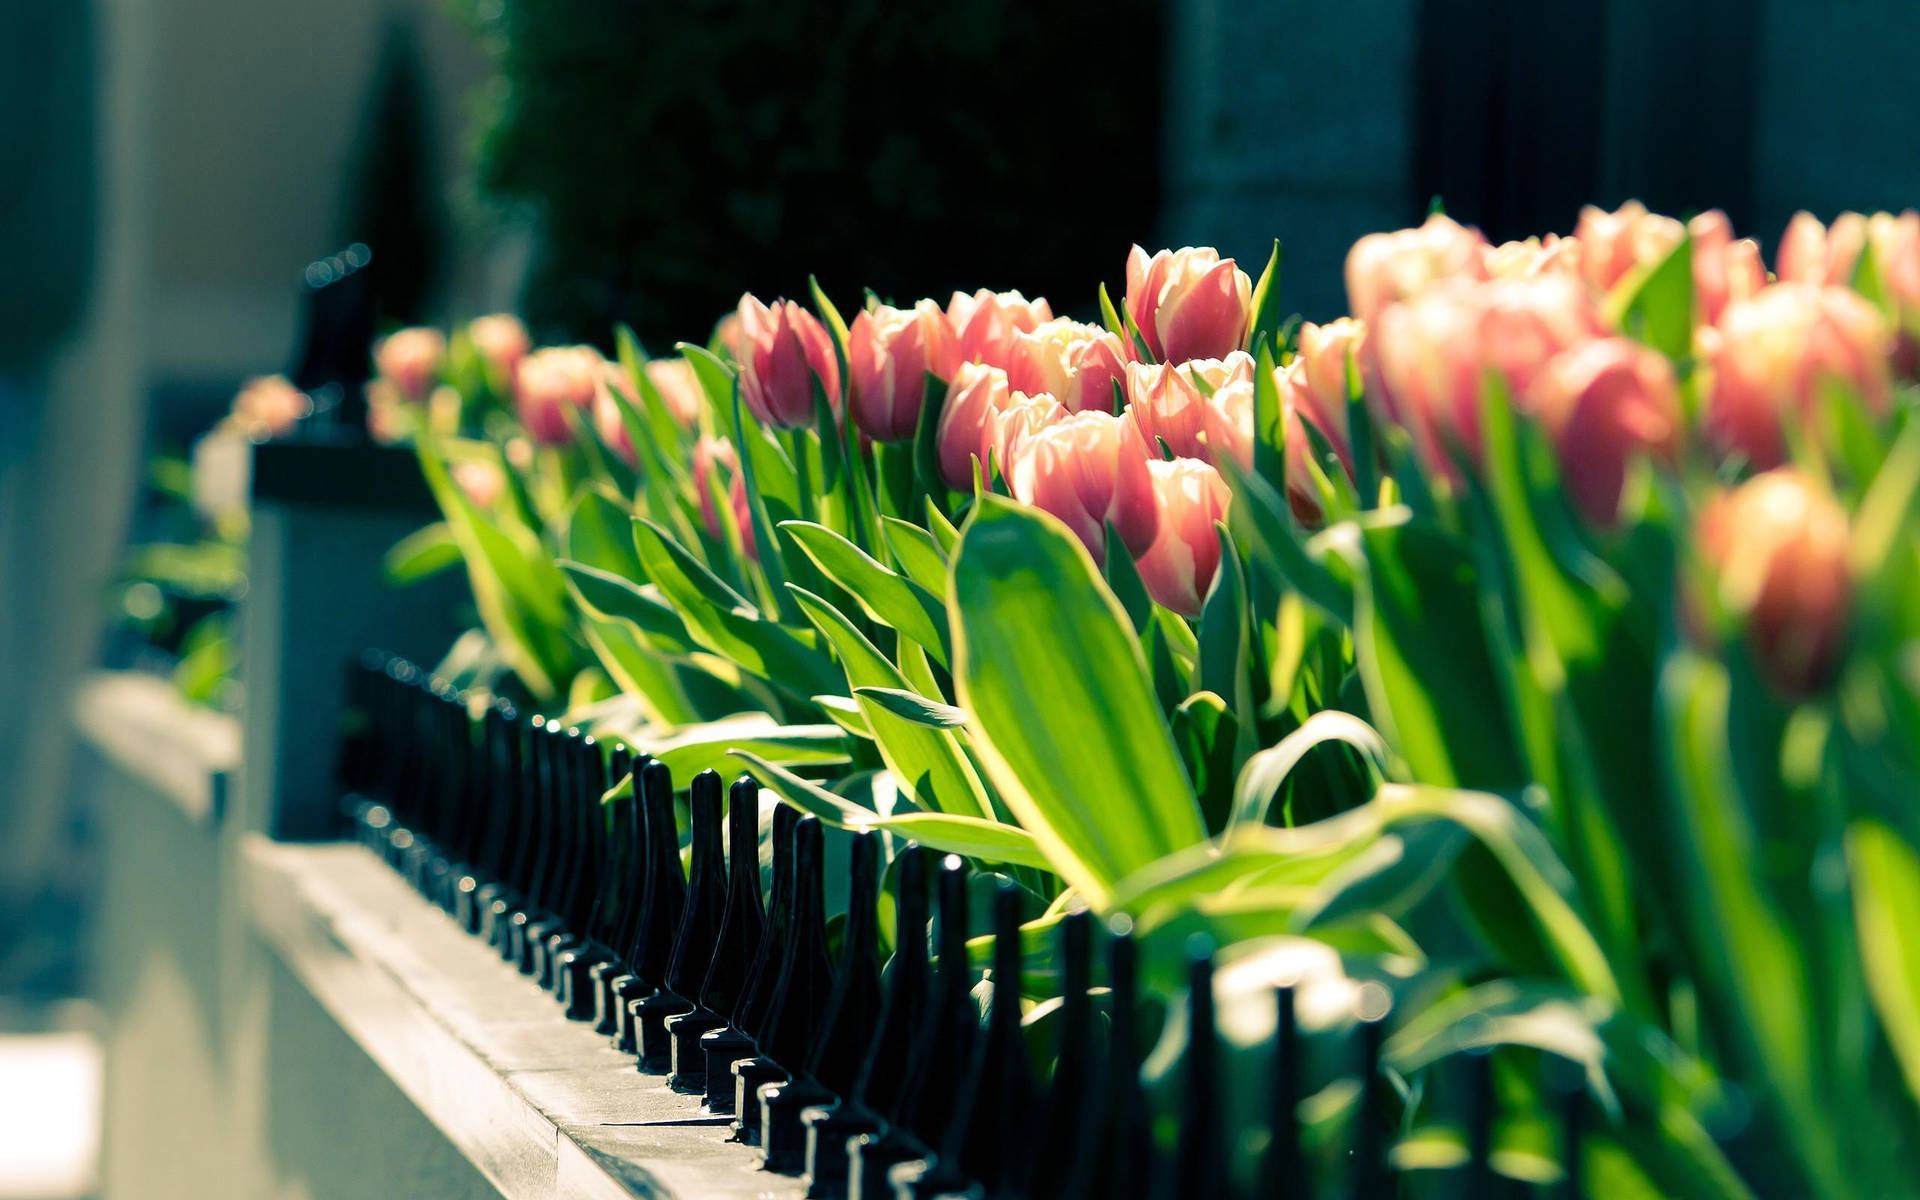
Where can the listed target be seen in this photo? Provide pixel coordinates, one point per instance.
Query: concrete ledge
(141, 724)
(542, 1106)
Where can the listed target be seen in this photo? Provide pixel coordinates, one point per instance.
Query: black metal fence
(867, 1080)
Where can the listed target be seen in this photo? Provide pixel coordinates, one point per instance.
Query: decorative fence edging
(860, 1081)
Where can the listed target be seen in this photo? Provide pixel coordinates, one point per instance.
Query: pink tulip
(679, 388)
(1535, 256)
(1182, 405)
(1614, 244)
(985, 324)
(410, 359)
(1315, 382)
(726, 331)
(1313, 391)
(481, 481)
(1188, 303)
(712, 454)
(1777, 547)
(1384, 268)
(890, 353)
(1179, 566)
(1773, 354)
(1013, 426)
(1075, 363)
(1433, 353)
(969, 423)
(607, 421)
(1725, 268)
(551, 381)
(783, 350)
(501, 341)
(268, 405)
(1090, 469)
(1812, 253)
(1605, 403)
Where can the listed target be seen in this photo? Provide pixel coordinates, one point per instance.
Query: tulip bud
(712, 454)
(410, 360)
(1090, 469)
(1313, 391)
(1777, 548)
(1773, 354)
(1178, 568)
(985, 324)
(1188, 303)
(1433, 353)
(1812, 253)
(268, 405)
(481, 481)
(783, 349)
(1183, 404)
(1014, 425)
(501, 341)
(726, 331)
(607, 421)
(1075, 363)
(1384, 268)
(1614, 244)
(1535, 256)
(969, 423)
(1605, 403)
(1725, 268)
(679, 388)
(552, 380)
(890, 353)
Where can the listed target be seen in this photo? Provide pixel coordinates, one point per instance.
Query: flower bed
(1525, 656)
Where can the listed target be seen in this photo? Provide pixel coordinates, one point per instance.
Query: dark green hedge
(675, 153)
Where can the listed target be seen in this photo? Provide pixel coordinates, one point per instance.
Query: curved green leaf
(927, 763)
(889, 598)
(1064, 716)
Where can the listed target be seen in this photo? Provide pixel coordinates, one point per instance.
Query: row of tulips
(1533, 646)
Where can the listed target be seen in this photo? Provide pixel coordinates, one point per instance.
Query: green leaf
(926, 445)
(1064, 716)
(599, 533)
(912, 706)
(845, 712)
(1123, 578)
(920, 557)
(637, 669)
(950, 833)
(607, 596)
(1655, 304)
(928, 763)
(723, 621)
(944, 534)
(891, 599)
(1269, 419)
(695, 748)
(656, 435)
(1433, 693)
(1226, 647)
(1205, 731)
(1261, 521)
(1886, 895)
(426, 551)
(1266, 300)
(521, 595)
(1110, 316)
(1260, 779)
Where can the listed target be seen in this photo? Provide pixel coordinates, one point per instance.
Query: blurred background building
(167, 167)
